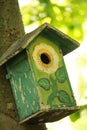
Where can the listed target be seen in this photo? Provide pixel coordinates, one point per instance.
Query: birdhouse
(38, 75)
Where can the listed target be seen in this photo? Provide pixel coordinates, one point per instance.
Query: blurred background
(70, 17)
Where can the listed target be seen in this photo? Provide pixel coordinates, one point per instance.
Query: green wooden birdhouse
(38, 75)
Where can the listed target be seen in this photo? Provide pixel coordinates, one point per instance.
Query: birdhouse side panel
(50, 73)
(23, 86)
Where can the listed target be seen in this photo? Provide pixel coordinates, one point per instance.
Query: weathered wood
(67, 44)
(11, 29)
(40, 82)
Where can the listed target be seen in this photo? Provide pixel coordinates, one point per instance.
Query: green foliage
(69, 16)
(75, 116)
(81, 123)
(79, 114)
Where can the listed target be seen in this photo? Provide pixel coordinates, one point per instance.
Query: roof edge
(22, 43)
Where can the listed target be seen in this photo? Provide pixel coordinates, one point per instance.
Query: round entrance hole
(45, 58)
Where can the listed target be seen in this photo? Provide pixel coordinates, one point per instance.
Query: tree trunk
(11, 29)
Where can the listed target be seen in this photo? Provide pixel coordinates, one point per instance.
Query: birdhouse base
(50, 115)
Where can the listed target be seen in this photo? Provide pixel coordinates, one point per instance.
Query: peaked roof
(67, 44)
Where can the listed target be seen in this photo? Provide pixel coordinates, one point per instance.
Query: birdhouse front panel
(46, 61)
(23, 85)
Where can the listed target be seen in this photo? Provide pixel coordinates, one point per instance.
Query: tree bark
(11, 29)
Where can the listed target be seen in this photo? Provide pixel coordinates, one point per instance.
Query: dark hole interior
(45, 58)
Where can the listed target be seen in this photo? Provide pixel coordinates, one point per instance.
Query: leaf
(44, 83)
(61, 75)
(74, 117)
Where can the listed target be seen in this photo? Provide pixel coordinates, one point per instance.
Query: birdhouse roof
(66, 43)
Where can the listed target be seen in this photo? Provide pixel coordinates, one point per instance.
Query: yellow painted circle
(46, 58)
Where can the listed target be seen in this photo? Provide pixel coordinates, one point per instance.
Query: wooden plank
(67, 44)
(23, 86)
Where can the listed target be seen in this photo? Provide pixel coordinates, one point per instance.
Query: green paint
(8, 76)
(61, 75)
(63, 97)
(58, 81)
(23, 86)
(44, 83)
(53, 95)
(35, 89)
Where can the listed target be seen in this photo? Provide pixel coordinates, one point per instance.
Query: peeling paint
(53, 92)
(25, 75)
(20, 85)
(23, 97)
(29, 91)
